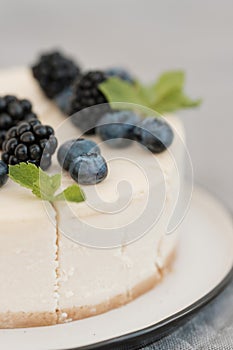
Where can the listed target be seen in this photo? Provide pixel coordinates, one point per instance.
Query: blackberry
(55, 73)
(87, 94)
(29, 142)
(13, 111)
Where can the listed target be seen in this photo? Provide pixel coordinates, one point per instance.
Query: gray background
(148, 36)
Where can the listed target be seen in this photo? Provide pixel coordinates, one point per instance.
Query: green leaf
(46, 186)
(168, 83)
(175, 101)
(43, 185)
(72, 193)
(165, 95)
(25, 174)
(118, 90)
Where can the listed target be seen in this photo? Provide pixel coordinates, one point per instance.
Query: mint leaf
(43, 185)
(25, 174)
(168, 83)
(118, 90)
(72, 193)
(175, 101)
(46, 186)
(165, 95)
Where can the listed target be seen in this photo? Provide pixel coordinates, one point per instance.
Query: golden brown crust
(27, 319)
(77, 313)
(36, 319)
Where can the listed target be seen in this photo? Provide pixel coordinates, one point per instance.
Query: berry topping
(29, 142)
(63, 99)
(154, 133)
(117, 128)
(87, 94)
(55, 72)
(3, 173)
(72, 149)
(120, 73)
(13, 111)
(89, 169)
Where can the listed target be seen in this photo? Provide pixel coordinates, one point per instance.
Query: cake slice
(52, 269)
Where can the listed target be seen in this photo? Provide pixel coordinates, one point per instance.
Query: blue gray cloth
(210, 329)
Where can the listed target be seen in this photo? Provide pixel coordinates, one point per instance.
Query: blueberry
(73, 149)
(154, 133)
(117, 128)
(89, 169)
(62, 100)
(3, 173)
(120, 73)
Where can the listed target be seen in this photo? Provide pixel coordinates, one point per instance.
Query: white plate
(204, 262)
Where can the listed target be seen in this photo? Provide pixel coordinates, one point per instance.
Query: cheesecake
(65, 261)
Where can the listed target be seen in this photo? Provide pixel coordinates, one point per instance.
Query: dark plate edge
(157, 331)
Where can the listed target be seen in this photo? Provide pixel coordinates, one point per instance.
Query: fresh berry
(72, 149)
(63, 99)
(87, 94)
(29, 142)
(55, 72)
(154, 133)
(89, 169)
(117, 128)
(3, 173)
(13, 111)
(120, 73)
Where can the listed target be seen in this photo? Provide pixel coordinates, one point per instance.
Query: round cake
(52, 271)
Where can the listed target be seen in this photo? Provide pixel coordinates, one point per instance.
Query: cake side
(28, 263)
(80, 312)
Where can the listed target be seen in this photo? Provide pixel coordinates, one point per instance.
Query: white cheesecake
(68, 261)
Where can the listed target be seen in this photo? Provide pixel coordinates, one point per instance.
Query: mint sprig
(165, 95)
(42, 185)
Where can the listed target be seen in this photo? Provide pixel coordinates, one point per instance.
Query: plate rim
(161, 328)
(157, 331)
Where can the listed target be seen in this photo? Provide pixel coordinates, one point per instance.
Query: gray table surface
(148, 37)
